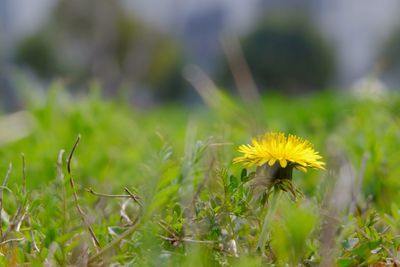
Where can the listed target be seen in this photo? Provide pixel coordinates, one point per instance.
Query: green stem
(271, 208)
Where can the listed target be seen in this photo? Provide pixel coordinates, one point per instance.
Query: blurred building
(359, 30)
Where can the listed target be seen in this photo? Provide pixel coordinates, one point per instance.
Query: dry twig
(134, 197)
(12, 240)
(91, 191)
(115, 242)
(34, 245)
(188, 240)
(124, 235)
(78, 207)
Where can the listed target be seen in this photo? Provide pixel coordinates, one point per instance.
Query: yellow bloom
(290, 151)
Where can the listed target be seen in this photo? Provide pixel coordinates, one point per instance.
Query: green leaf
(243, 175)
(346, 262)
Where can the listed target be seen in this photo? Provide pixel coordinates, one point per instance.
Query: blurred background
(152, 52)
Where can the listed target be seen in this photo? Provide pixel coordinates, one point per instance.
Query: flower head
(287, 151)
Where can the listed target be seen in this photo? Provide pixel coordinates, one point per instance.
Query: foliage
(79, 42)
(37, 52)
(287, 53)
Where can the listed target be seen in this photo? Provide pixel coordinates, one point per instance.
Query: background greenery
(287, 53)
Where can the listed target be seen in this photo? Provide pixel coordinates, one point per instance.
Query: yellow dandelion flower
(287, 151)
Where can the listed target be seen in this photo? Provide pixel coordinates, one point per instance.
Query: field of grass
(158, 187)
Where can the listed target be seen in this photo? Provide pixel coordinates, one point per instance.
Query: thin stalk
(5, 181)
(60, 176)
(23, 175)
(265, 230)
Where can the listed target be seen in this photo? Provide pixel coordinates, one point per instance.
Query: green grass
(197, 208)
